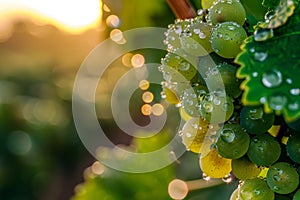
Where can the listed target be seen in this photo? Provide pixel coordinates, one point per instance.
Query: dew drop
(231, 28)
(254, 74)
(208, 107)
(260, 56)
(197, 31)
(227, 178)
(252, 50)
(289, 81)
(295, 91)
(263, 34)
(256, 113)
(225, 107)
(184, 66)
(202, 35)
(227, 135)
(277, 101)
(205, 177)
(272, 78)
(188, 135)
(293, 106)
(217, 101)
(257, 192)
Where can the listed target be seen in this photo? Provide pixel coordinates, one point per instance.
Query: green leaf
(271, 4)
(271, 67)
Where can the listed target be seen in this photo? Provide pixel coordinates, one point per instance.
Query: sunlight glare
(73, 16)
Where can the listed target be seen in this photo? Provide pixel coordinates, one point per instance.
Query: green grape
(195, 133)
(170, 96)
(184, 67)
(294, 124)
(214, 165)
(297, 195)
(232, 141)
(243, 169)
(254, 120)
(206, 4)
(195, 39)
(235, 194)
(226, 11)
(293, 147)
(227, 38)
(255, 189)
(282, 178)
(190, 100)
(216, 107)
(224, 74)
(173, 33)
(264, 150)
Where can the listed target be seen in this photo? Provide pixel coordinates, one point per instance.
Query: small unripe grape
(226, 11)
(227, 38)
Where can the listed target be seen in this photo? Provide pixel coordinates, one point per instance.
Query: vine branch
(182, 9)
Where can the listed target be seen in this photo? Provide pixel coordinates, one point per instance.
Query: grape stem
(182, 9)
(202, 184)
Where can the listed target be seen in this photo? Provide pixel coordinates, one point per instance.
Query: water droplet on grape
(260, 56)
(184, 66)
(295, 91)
(289, 81)
(254, 74)
(227, 135)
(202, 35)
(269, 15)
(227, 178)
(256, 192)
(272, 78)
(217, 101)
(205, 177)
(263, 34)
(256, 113)
(197, 31)
(260, 148)
(277, 101)
(208, 107)
(163, 95)
(293, 106)
(225, 107)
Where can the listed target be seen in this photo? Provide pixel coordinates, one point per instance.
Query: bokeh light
(144, 84)
(157, 109)
(178, 189)
(137, 60)
(146, 109)
(147, 97)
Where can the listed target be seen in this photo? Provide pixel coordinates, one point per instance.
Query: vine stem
(182, 9)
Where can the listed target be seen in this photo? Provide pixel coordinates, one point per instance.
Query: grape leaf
(271, 66)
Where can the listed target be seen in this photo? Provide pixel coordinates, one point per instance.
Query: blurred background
(42, 45)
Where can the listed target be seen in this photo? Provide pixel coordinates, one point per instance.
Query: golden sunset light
(71, 16)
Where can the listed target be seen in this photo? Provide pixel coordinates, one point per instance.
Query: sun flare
(72, 16)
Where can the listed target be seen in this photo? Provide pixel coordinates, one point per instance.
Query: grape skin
(227, 38)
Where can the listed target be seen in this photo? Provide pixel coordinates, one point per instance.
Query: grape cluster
(233, 140)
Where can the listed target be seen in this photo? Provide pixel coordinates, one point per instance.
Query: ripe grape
(264, 150)
(224, 74)
(254, 120)
(227, 38)
(226, 11)
(255, 189)
(293, 147)
(216, 107)
(206, 4)
(214, 165)
(243, 168)
(195, 39)
(171, 96)
(282, 178)
(232, 141)
(180, 64)
(195, 132)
